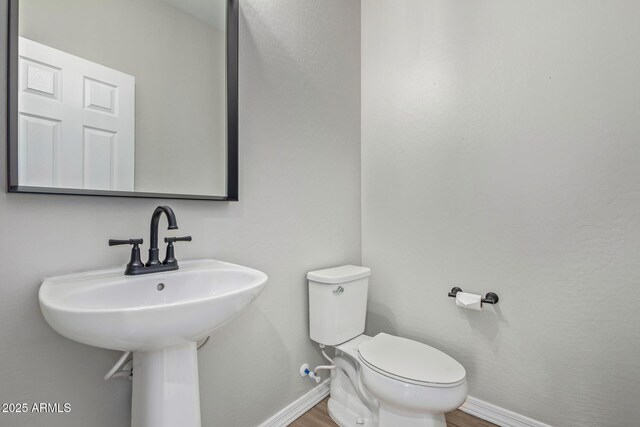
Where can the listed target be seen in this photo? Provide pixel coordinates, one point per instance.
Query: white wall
(500, 153)
(299, 210)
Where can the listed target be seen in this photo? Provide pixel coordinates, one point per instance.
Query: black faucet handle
(116, 242)
(135, 263)
(177, 239)
(170, 258)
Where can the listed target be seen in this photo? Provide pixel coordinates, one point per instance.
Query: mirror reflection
(123, 95)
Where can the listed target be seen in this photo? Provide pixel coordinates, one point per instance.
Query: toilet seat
(410, 361)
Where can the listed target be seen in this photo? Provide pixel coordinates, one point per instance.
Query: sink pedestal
(165, 387)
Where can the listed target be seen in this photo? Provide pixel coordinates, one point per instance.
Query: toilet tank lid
(342, 274)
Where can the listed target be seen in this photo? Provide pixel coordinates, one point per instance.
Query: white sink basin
(159, 317)
(107, 309)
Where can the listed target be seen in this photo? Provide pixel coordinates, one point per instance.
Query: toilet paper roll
(469, 301)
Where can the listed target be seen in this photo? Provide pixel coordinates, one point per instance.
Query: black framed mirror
(121, 98)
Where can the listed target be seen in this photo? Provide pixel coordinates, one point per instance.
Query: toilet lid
(414, 361)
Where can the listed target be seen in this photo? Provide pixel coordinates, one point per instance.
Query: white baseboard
(497, 415)
(295, 409)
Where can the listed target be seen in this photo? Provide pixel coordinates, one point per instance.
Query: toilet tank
(337, 303)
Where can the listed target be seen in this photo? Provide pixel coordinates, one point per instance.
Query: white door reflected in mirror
(76, 121)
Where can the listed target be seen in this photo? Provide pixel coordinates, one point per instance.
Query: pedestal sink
(159, 317)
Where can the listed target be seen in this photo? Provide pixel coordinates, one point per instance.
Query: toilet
(383, 381)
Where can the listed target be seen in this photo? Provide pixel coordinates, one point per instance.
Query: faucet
(155, 219)
(153, 265)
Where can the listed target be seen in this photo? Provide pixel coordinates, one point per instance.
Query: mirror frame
(232, 119)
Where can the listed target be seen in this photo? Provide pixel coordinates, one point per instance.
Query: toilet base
(347, 410)
(345, 407)
(389, 416)
(347, 418)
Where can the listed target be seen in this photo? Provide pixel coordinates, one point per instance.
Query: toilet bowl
(406, 383)
(381, 381)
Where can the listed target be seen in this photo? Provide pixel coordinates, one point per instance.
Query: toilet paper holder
(489, 298)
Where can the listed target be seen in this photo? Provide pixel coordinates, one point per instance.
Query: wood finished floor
(318, 416)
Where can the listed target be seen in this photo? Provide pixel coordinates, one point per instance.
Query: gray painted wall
(179, 65)
(299, 210)
(500, 153)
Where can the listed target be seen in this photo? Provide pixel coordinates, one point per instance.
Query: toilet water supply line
(120, 368)
(304, 371)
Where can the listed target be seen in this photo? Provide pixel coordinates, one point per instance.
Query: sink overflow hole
(160, 286)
